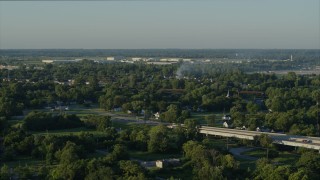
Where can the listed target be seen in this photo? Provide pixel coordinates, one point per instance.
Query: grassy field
(220, 143)
(259, 153)
(245, 164)
(63, 132)
(77, 131)
(286, 158)
(24, 161)
(200, 117)
(283, 158)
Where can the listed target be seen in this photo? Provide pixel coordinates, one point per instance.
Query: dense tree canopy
(176, 92)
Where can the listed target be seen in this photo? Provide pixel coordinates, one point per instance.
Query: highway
(278, 138)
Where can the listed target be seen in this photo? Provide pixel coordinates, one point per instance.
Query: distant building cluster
(109, 59)
(47, 61)
(8, 67)
(149, 60)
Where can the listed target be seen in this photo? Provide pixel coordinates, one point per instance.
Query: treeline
(181, 53)
(288, 103)
(66, 157)
(307, 167)
(69, 156)
(41, 121)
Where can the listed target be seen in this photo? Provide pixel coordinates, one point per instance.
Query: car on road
(306, 141)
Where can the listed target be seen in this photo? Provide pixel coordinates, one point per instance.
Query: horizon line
(158, 48)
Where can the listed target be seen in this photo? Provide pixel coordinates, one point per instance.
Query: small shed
(225, 124)
(167, 163)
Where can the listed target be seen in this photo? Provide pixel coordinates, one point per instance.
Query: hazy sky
(160, 24)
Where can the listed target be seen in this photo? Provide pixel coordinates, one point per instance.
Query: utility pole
(227, 143)
(318, 128)
(8, 79)
(144, 114)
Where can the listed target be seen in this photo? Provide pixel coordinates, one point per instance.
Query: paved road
(125, 118)
(128, 118)
(278, 138)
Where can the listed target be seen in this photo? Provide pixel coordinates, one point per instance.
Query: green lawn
(283, 158)
(81, 112)
(77, 131)
(14, 122)
(245, 164)
(259, 153)
(286, 158)
(200, 117)
(126, 125)
(221, 143)
(63, 132)
(121, 125)
(24, 161)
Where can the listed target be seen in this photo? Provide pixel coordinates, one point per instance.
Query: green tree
(310, 160)
(211, 119)
(266, 142)
(276, 104)
(210, 172)
(4, 172)
(72, 170)
(23, 172)
(3, 124)
(301, 174)
(119, 152)
(126, 107)
(131, 170)
(282, 172)
(9, 107)
(229, 162)
(263, 169)
(137, 106)
(159, 139)
(196, 152)
(252, 108)
(100, 123)
(142, 140)
(191, 128)
(49, 154)
(68, 154)
(100, 173)
(238, 119)
(162, 106)
(172, 114)
(185, 114)
(106, 103)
